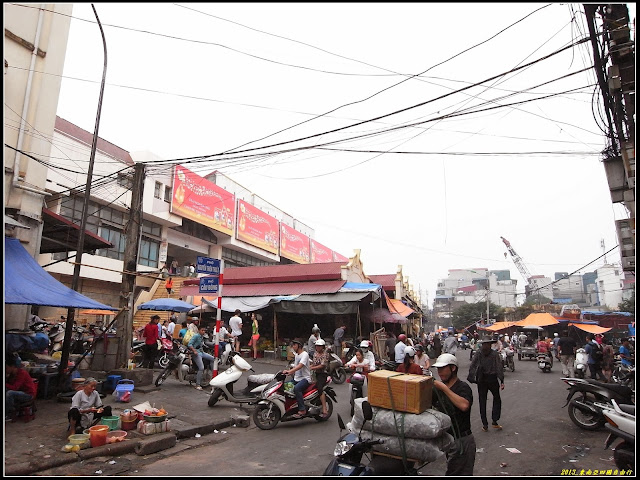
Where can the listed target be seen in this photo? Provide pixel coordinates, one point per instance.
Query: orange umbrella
(537, 320)
(97, 312)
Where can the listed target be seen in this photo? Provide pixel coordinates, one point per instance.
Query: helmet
(410, 351)
(320, 343)
(446, 359)
(419, 347)
(365, 344)
(555, 334)
(402, 337)
(315, 328)
(296, 341)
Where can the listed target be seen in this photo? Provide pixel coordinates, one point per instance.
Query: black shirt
(460, 421)
(566, 346)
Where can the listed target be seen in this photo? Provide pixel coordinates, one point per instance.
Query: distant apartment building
(471, 286)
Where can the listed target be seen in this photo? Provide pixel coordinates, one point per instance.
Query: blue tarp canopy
(27, 283)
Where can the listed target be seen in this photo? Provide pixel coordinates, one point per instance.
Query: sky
(426, 149)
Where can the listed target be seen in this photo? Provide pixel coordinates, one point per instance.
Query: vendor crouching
(85, 405)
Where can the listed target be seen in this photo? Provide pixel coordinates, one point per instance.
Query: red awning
(264, 289)
(61, 235)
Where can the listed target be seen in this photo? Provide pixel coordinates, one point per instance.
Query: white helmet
(555, 334)
(446, 359)
(365, 344)
(315, 328)
(320, 343)
(410, 351)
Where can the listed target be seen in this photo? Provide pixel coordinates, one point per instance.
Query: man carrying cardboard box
(454, 397)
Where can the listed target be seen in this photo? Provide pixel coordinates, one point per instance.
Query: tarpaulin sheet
(537, 320)
(244, 304)
(590, 328)
(332, 304)
(27, 283)
(496, 327)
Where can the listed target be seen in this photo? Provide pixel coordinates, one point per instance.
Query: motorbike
(337, 371)
(507, 355)
(56, 337)
(621, 424)
(580, 363)
(624, 375)
(350, 449)
(357, 386)
(586, 410)
(222, 384)
(545, 362)
(186, 369)
(349, 351)
(175, 361)
(387, 365)
(277, 402)
(167, 348)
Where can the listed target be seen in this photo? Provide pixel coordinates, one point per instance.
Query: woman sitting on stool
(86, 404)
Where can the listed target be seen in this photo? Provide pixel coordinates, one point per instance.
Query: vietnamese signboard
(208, 265)
(339, 258)
(209, 284)
(293, 244)
(202, 201)
(320, 253)
(257, 227)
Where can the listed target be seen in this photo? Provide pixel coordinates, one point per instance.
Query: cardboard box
(411, 393)
(149, 428)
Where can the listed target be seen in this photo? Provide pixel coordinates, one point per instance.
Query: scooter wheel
(163, 361)
(320, 418)
(266, 416)
(162, 377)
(339, 375)
(215, 396)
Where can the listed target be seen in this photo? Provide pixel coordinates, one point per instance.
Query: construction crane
(521, 266)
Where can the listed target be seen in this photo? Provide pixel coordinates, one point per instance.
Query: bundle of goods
(155, 421)
(422, 437)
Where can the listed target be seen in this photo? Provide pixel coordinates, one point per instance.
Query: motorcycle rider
(399, 349)
(320, 365)
(302, 374)
(365, 345)
(195, 345)
(421, 358)
(315, 336)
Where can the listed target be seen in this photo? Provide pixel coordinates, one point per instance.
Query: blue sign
(209, 284)
(208, 265)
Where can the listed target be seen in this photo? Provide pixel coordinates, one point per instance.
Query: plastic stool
(25, 411)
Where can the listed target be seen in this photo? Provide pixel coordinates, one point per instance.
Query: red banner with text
(257, 228)
(293, 244)
(202, 201)
(320, 253)
(339, 258)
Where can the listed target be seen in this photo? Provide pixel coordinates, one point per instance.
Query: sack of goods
(422, 437)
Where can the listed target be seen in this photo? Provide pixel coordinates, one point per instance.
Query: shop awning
(230, 304)
(590, 328)
(27, 283)
(271, 289)
(61, 235)
(330, 304)
(537, 320)
(496, 327)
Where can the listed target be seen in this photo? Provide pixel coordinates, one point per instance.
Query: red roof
(264, 289)
(280, 274)
(388, 282)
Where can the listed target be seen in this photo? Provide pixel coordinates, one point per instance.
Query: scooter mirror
(367, 411)
(341, 423)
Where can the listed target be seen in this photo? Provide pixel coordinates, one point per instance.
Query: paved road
(533, 419)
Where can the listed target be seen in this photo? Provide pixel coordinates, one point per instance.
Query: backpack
(597, 353)
(187, 337)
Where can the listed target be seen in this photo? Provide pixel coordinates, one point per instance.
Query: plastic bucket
(128, 422)
(112, 422)
(98, 435)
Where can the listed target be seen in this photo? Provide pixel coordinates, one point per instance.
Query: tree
(629, 305)
(472, 312)
(537, 299)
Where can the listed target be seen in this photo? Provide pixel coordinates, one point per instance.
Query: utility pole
(71, 312)
(132, 245)
(488, 296)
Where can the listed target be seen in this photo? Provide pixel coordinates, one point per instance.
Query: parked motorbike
(174, 364)
(387, 365)
(621, 424)
(350, 449)
(182, 363)
(585, 410)
(278, 403)
(507, 355)
(545, 362)
(624, 375)
(56, 338)
(580, 363)
(167, 349)
(337, 372)
(357, 386)
(222, 384)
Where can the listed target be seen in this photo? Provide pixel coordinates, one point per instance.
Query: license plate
(541, 364)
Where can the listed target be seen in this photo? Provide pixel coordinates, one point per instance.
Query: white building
(609, 286)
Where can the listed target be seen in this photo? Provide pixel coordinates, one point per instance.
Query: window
(117, 238)
(237, 259)
(149, 252)
(157, 190)
(167, 194)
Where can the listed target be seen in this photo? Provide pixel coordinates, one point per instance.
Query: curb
(144, 446)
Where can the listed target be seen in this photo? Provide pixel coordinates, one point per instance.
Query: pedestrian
(164, 332)
(450, 345)
(174, 267)
(625, 354)
(255, 335)
(195, 345)
(567, 350)
(151, 336)
(398, 350)
(554, 345)
(607, 361)
(315, 336)
(169, 285)
(19, 386)
(235, 323)
(338, 337)
(171, 327)
(454, 398)
(183, 330)
(389, 345)
(437, 345)
(490, 377)
(164, 271)
(320, 365)
(594, 361)
(302, 374)
(192, 270)
(85, 405)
